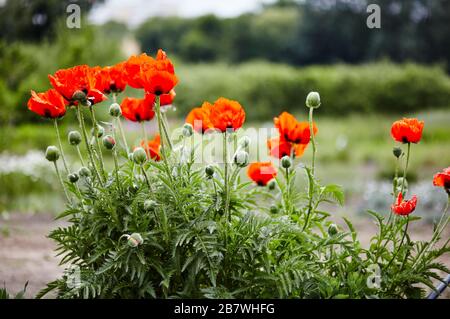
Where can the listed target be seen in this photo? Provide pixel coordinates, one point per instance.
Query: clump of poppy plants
(160, 225)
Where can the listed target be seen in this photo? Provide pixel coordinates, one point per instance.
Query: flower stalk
(55, 121)
(80, 118)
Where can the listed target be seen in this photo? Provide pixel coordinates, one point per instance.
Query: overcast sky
(133, 12)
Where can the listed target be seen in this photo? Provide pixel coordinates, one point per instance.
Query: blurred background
(267, 54)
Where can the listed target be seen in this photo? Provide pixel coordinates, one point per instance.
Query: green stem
(225, 162)
(288, 192)
(62, 183)
(116, 164)
(310, 196)
(122, 133)
(401, 243)
(60, 146)
(165, 125)
(99, 149)
(313, 141)
(146, 178)
(161, 133)
(144, 136)
(86, 141)
(406, 168)
(80, 156)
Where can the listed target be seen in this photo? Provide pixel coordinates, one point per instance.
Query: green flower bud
(188, 130)
(100, 131)
(109, 142)
(241, 158)
(400, 183)
(244, 141)
(149, 204)
(313, 100)
(79, 96)
(115, 110)
(84, 172)
(74, 138)
(272, 184)
(135, 239)
(209, 170)
(397, 151)
(286, 162)
(139, 156)
(73, 177)
(52, 153)
(332, 229)
(273, 209)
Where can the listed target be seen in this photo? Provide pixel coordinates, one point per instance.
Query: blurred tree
(32, 20)
(310, 31)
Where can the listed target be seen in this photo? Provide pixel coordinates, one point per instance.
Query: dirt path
(26, 254)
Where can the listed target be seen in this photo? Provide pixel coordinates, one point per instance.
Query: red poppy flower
(137, 110)
(199, 118)
(158, 77)
(164, 99)
(292, 130)
(261, 172)
(78, 78)
(153, 147)
(132, 69)
(442, 179)
(110, 79)
(280, 147)
(407, 130)
(226, 114)
(49, 104)
(404, 207)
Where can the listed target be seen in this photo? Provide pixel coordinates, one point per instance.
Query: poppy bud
(100, 131)
(332, 230)
(273, 209)
(74, 137)
(149, 204)
(313, 100)
(139, 156)
(241, 158)
(244, 142)
(115, 110)
(135, 239)
(400, 183)
(209, 170)
(73, 177)
(79, 96)
(272, 184)
(109, 142)
(188, 130)
(52, 153)
(286, 161)
(84, 171)
(397, 152)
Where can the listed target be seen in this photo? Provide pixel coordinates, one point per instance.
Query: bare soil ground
(26, 254)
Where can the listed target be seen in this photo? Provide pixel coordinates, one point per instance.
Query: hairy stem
(62, 183)
(86, 141)
(225, 163)
(313, 141)
(405, 170)
(401, 243)
(99, 149)
(60, 146)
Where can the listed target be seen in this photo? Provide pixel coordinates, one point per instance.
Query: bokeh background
(266, 54)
